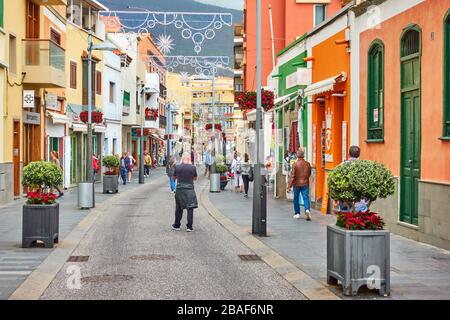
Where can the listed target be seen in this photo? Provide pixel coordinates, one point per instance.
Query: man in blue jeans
(300, 174)
(124, 165)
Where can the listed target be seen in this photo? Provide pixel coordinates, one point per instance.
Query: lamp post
(89, 184)
(259, 191)
(141, 137)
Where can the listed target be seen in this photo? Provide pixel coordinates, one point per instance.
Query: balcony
(44, 64)
(51, 2)
(162, 121)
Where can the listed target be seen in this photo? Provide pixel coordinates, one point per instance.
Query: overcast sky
(234, 4)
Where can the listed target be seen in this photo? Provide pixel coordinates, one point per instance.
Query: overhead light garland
(188, 23)
(203, 65)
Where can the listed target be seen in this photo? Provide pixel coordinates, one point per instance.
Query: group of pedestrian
(127, 163)
(242, 173)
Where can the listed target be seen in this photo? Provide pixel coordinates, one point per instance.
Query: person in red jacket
(95, 165)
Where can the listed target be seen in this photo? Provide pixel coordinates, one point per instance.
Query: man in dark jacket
(185, 198)
(124, 166)
(300, 174)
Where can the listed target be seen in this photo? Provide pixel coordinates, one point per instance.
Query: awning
(79, 127)
(99, 128)
(325, 85)
(284, 98)
(58, 118)
(157, 137)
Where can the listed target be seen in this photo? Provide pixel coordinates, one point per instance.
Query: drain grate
(107, 278)
(153, 257)
(78, 259)
(139, 216)
(249, 257)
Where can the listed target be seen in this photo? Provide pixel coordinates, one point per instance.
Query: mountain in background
(221, 45)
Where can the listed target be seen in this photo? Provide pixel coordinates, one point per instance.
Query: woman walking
(55, 160)
(170, 170)
(236, 170)
(131, 167)
(185, 197)
(246, 168)
(124, 165)
(147, 164)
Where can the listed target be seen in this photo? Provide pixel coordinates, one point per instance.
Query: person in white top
(237, 171)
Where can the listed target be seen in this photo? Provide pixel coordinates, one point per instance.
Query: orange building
(329, 95)
(290, 20)
(404, 105)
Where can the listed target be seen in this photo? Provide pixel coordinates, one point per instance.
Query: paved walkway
(17, 263)
(418, 271)
(134, 254)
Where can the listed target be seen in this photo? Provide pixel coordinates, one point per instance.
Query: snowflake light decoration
(184, 78)
(165, 44)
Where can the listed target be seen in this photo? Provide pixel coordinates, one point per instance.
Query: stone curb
(309, 287)
(38, 281)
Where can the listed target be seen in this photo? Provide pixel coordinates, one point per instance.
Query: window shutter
(99, 83)
(73, 75)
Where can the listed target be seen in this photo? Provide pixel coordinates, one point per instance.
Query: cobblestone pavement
(134, 254)
(418, 271)
(17, 263)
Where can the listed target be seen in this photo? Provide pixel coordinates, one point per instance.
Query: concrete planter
(40, 222)
(357, 258)
(110, 184)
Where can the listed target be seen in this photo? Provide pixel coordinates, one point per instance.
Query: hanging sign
(328, 137)
(51, 102)
(28, 99)
(31, 118)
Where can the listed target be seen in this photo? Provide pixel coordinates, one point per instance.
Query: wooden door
(73, 159)
(16, 158)
(410, 129)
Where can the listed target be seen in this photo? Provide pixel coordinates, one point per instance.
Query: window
(32, 20)
(375, 90)
(112, 92)
(55, 36)
(12, 54)
(126, 99)
(1, 13)
(447, 77)
(319, 14)
(98, 82)
(73, 75)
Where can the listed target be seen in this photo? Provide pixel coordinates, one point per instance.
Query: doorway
(410, 126)
(16, 158)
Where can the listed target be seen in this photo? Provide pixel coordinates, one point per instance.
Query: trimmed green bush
(221, 168)
(353, 181)
(110, 162)
(220, 159)
(41, 175)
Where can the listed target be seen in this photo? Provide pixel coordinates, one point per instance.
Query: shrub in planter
(110, 178)
(41, 212)
(357, 246)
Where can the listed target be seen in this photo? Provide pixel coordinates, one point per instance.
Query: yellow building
(179, 95)
(32, 65)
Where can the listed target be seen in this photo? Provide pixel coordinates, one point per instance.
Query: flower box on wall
(357, 258)
(96, 117)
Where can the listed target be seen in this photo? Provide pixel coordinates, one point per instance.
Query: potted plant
(40, 215)
(247, 100)
(357, 246)
(111, 176)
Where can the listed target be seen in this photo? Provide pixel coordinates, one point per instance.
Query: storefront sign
(51, 102)
(31, 118)
(328, 137)
(28, 99)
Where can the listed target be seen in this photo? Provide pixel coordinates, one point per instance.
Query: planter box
(358, 258)
(110, 184)
(40, 222)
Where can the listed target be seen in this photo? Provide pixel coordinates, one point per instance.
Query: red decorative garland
(218, 126)
(96, 116)
(247, 100)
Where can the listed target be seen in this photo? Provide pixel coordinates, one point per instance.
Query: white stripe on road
(14, 273)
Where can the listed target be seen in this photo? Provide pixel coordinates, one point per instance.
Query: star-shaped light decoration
(184, 78)
(165, 44)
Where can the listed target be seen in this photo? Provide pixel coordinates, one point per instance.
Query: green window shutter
(375, 96)
(446, 129)
(126, 99)
(1, 13)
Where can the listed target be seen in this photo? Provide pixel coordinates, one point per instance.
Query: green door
(73, 159)
(410, 129)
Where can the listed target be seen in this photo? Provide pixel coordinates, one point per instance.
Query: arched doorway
(410, 124)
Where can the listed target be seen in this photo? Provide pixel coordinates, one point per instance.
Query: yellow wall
(178, 94)
(14, 23)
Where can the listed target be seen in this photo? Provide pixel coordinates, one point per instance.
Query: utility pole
(141, 138)
(168, 130)
(259, 191)
(213, 72)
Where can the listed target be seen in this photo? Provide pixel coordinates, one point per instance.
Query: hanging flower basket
(218, 126)
(97, 117)
(247, 100)
(151, 114)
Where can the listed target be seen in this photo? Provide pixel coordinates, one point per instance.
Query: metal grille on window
(411, 43)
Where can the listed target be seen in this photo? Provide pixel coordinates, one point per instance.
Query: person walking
(131, 167)
(170, 170)
(236, 170)
(247, 175)
(185, 198)
(95, 166)
(124, 165)
(300, 174)
(207, 163)
(55, 160)
(147, 164)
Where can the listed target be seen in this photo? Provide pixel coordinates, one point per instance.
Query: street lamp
(104, 46)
